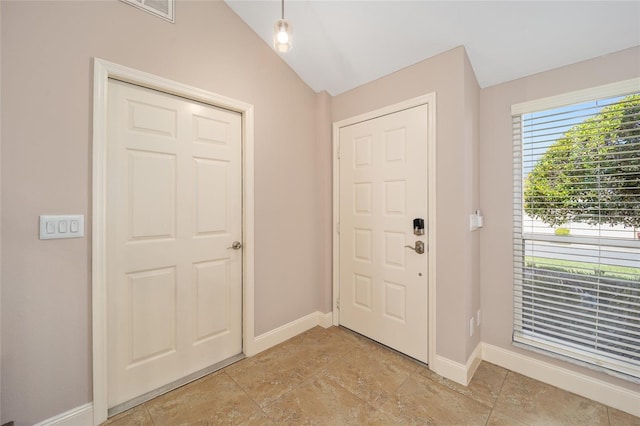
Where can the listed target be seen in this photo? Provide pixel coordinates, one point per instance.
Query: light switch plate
(476, 220)
(473, 222)
(61, 226)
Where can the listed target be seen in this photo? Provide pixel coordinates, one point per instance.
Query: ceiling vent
(162, 8)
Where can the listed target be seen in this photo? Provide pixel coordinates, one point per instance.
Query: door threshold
(120, 408)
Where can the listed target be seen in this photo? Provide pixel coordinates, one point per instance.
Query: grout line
(241, 388)
(248, 396)
(502, 386)
(489, 416)
(493, 406)
(415, 371)
(149, 413)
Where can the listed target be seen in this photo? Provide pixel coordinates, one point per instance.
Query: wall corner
(324, 189)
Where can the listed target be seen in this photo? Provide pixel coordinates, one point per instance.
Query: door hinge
(338, 303)
(338, 228)
(338, 153)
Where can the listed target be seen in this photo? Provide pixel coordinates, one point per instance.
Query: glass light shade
(282, 36)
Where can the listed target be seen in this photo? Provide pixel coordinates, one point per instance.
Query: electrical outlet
(471, 326)
(478, 318)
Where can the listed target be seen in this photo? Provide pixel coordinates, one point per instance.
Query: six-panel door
(174, 207)
(383, 187)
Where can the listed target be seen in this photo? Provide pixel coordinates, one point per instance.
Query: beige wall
(496, 252)
(449, 75)
(324, 198)
(47, 49)
(471, 169)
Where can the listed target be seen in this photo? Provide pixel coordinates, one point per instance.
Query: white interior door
(174, 207)
(383, 187)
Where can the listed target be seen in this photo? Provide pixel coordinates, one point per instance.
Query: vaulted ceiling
(339, 45)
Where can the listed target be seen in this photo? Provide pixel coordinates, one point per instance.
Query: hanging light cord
(282, 9)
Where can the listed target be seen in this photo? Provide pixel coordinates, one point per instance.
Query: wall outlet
(472, 325)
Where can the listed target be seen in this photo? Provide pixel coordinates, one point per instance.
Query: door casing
(103, 70)
(430, 101)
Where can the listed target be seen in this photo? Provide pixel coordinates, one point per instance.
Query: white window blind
(577, 231)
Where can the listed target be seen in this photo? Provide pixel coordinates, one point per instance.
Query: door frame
(102, 72)
(430, 101)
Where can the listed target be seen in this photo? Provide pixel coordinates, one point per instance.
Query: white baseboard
(606, 393)
(452, 370)
(474, 362)
(325, 320)
(292, 329)
(614, 396)
(79, 416)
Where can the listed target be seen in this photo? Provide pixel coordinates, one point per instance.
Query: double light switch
(61, 226)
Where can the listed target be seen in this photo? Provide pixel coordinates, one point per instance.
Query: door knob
(419, 248)
(237, 245)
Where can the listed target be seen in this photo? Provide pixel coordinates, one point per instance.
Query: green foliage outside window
(591, 174)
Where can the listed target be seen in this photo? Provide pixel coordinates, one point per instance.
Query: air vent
(162, 8)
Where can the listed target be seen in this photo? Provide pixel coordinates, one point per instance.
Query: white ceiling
(339, 45)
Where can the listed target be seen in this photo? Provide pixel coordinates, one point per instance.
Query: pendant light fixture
(282, 34)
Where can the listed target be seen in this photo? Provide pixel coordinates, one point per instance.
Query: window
(577, 226)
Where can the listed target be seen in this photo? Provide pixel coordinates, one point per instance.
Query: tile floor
(335, 377)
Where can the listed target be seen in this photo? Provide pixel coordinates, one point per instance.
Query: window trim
(585, 95)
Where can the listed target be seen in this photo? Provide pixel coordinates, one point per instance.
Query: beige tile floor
(335, 377)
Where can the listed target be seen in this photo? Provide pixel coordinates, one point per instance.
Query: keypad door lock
(418, 226)
(419, 248)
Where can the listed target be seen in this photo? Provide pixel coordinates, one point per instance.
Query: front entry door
(174, 209)
(383, 188)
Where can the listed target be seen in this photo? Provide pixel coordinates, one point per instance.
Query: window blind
(577, 231)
